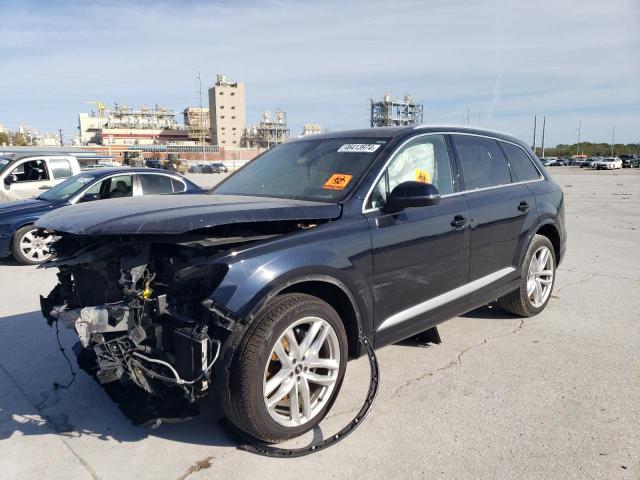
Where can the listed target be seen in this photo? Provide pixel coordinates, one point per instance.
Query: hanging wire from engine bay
(251, 445)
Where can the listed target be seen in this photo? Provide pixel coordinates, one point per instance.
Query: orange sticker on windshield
(422, 176)
(337, 181)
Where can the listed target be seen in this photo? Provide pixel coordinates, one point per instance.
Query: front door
(419, 254)
(32, 177)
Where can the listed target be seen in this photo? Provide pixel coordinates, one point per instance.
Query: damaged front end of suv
(141, 302)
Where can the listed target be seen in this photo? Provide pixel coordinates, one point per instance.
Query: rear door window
(522, 168)
(60, 168)
(482, 163)
(155, 184)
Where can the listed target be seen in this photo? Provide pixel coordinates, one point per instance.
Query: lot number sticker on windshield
(358, 148)
(337, 181)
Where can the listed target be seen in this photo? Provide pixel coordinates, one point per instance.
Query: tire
(259, 375)
(522, 301)
(37, 254)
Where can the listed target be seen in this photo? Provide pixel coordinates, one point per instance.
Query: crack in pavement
(617, 277)
(572, 284)
(203, 464)
(453, 363)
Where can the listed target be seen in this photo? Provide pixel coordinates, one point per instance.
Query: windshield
(67, 189)
(3, 163)
(321, 170)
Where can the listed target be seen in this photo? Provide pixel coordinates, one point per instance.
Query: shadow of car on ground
(31, 365)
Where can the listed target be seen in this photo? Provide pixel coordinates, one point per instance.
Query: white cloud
(320, 61)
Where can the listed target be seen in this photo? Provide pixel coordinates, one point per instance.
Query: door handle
(523, 206)
(459, 221)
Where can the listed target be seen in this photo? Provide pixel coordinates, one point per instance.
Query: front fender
(336, 254)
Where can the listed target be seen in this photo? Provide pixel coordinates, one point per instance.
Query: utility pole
(579, 128)
(613, 138)
(535, 127)
(468, 113)
(201, 129)
(60, 133)
(544, 125)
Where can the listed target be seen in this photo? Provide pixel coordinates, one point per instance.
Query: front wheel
(537, 280)
(289, 369)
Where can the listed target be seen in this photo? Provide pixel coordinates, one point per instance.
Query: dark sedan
(18, 236)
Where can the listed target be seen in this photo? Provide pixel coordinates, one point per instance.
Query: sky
(573, 61)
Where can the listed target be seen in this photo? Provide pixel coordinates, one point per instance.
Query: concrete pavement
(554, 396)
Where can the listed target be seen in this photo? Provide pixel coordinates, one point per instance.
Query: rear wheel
(29, 247)
(289, 370)
(537, 280)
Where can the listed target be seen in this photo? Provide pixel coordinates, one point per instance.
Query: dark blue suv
(261, 290)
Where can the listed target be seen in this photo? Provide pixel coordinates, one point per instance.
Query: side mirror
(411, 194)
(9, 179)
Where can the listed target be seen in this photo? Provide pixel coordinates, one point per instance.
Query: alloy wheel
(301, 372)
(36, 247)
(540, 277)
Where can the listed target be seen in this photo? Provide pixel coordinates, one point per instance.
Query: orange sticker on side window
(422, 176)
(337, 181)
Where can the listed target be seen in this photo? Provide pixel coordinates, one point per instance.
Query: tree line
(589, 149)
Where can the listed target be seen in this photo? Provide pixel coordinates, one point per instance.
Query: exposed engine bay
(140, 303)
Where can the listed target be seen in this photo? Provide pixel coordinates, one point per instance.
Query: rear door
(500, 208)
(419, 254)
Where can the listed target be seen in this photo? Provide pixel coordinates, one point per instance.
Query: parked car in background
(630, 161)
(589, 162)
(608, 163)
(221, 167)
(25, 175)
(548, 161)
(259, 291)
(20, 238)
(154, 163)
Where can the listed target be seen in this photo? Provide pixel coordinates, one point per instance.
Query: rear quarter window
(178, 186)
(522, 166)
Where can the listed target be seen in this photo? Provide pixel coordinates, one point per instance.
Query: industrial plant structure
(268, 132)
(311, 129)
(197, 121)
(393, 113)
(227, 112)
(123, 125)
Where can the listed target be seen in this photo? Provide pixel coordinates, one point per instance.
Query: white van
(25, 175)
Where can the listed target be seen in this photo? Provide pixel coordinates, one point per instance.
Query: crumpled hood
(175, 214)
(21, 207)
